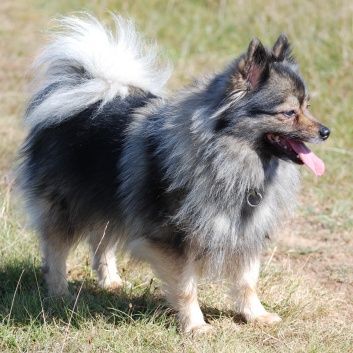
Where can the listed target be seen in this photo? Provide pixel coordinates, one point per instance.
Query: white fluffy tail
(88, 63)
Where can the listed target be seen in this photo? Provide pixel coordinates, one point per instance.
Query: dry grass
(307, 273)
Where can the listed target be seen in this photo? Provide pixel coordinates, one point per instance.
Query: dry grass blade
(14, 297)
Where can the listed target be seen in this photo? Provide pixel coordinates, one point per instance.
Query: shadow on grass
(24, 301)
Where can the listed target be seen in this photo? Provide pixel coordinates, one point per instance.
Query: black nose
(324, 132)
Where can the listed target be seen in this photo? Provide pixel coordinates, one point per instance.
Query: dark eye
(290, 114)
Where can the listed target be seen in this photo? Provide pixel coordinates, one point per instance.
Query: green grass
(306, 277)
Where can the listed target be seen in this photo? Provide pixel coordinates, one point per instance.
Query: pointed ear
(281, 49)
(254, 66)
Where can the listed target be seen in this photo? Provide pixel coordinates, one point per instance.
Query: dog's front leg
(181, 291)
(177, 271)
(243, 292)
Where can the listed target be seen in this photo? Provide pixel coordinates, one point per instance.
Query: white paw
(200, 329)
(268, 319)
(115, 285)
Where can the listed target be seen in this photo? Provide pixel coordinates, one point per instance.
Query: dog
(192, 183)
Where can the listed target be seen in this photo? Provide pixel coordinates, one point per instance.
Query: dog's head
(268, 103)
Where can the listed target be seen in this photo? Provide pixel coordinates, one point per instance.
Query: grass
(307, 273)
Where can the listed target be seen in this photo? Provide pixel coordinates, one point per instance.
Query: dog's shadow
(24, 299)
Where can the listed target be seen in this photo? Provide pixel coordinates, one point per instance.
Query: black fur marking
(159, 203)
(73, 165)
(222, 123)
(156, 186)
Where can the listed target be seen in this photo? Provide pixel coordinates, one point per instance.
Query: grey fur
(217, 172)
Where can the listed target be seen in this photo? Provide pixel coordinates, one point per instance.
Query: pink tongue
(308, 157)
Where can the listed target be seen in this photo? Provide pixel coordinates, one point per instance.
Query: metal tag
(253, 198)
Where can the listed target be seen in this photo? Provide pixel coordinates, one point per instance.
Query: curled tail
(88, 63)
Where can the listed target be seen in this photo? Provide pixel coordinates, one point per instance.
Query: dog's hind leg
(55, 253)
(178, 273)
(244, 294)
(103, 248)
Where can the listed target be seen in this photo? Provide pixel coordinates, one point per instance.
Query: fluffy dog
(193, 183)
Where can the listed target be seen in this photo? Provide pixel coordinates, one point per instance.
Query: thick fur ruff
(169, 180)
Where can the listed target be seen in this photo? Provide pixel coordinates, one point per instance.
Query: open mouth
(296, 151)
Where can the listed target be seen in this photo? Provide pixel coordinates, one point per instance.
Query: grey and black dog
(193, 184)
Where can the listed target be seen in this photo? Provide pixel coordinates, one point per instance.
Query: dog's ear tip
(284, 36)
(255, 42)
(282, 48)
(255, 46)
(282, 40)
